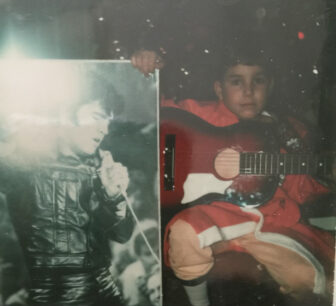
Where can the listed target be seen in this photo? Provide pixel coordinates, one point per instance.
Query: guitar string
(300, 160)
(264, 165)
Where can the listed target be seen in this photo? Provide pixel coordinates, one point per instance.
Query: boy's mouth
(247, 104)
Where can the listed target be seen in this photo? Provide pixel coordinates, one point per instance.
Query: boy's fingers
(149, 64)
(146, 61)
(133, 60)
(159, 63)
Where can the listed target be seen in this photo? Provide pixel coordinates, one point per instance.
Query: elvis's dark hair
(107, 95)
(96, 88)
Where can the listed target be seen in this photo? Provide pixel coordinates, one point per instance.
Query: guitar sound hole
(226, 164)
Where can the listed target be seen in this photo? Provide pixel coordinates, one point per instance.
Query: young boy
(297, 256)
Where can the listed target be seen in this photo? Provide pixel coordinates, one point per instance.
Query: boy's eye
(235, 82)
(260, 80)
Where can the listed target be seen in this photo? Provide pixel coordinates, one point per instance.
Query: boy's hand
(114, 176)
(147, 61)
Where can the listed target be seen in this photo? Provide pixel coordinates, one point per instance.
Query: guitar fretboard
(274, 164)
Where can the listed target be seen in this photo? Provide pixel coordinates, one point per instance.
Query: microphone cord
(137, 222)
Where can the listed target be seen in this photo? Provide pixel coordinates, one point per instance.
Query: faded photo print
(78, 180)
(245, 158)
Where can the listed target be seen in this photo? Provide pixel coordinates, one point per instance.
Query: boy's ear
(218, 90)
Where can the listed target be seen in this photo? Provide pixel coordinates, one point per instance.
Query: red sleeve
(302, 188)
(190, 105)
(214, 112)
(298, 126)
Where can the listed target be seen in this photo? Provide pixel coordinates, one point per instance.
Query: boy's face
(244, 90)
(91, 127)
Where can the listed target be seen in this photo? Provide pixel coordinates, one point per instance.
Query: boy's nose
(248, 89)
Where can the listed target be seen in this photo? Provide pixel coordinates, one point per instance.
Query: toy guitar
(240, 164)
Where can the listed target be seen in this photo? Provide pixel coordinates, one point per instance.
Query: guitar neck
(274, 164)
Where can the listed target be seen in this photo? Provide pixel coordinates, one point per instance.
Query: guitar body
(190, 156)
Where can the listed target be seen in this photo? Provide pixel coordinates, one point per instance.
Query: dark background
(298, 37)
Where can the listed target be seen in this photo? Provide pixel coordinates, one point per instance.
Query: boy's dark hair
(244, 53)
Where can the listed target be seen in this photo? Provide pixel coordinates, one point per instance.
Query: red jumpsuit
(297, 256)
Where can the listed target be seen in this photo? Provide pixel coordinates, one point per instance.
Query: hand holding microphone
(115, 179)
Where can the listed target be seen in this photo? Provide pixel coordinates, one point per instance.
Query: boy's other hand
(147, 61)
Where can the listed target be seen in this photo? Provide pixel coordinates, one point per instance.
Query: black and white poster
(79, 183)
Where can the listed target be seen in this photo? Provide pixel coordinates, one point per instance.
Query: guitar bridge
(169, 163)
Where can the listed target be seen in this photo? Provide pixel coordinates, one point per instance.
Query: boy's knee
(187, 259)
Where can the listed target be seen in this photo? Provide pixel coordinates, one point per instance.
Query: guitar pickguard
(197, 185)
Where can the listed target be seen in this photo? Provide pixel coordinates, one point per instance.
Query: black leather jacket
(64, 221)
